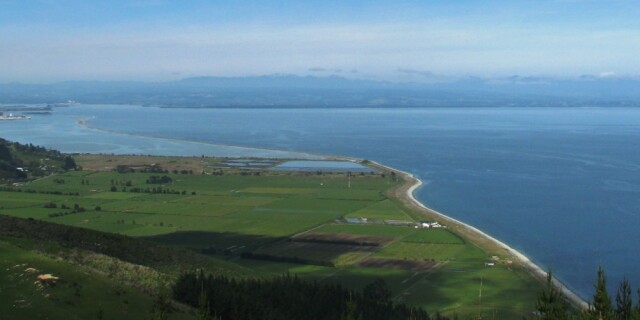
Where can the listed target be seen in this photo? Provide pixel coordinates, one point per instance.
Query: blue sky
(47, 40)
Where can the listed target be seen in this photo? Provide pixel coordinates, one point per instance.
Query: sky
(158, 40)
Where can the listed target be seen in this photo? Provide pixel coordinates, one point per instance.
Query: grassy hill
(78, 293)
(98, 273)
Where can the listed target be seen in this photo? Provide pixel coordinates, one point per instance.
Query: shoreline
(405, 193)
(84, 122)
(474, 234)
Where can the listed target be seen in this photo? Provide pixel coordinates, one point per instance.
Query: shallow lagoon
(323, 166)
(64, 130)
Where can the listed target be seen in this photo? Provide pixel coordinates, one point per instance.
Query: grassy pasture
(440, 236)
(358, 277)
(277, 190)
(383, 210)
(344, 238)
(418, 251)
(506, 292)
(367, 229)
(335, 253)
(233, 213)
(114, 196)
(108, 163)
(236, 204)
(25, 199)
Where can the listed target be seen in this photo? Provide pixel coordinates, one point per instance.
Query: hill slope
(76, 294)
(19, 161)
(95, 272)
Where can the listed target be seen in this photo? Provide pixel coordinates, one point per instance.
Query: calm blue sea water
(561, 185)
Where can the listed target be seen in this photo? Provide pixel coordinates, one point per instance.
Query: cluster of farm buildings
(418, 225)
(426, 224)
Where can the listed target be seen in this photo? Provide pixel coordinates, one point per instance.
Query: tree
(623, 301)
(100, 314)
(377, 291)
(601, 307)
(69, 163)
(160, 307)
(351, 310)
(636, 310)
(204, 312)
(5, 153)
(550, 303)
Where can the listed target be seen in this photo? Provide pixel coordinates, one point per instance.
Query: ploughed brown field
(345, 238)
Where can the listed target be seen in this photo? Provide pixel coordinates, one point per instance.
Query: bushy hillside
(20, 161)
(40, 285)
(53, 271)
(171, 260)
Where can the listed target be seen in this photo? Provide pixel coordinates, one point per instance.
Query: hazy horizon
(156, 40)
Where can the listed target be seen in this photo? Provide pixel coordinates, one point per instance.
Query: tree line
(551, 303)
(288, 297)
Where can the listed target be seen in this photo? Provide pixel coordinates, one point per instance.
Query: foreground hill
(75, 293)
(48, 272)
(54, 271)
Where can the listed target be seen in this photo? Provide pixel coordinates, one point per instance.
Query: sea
(561, 185)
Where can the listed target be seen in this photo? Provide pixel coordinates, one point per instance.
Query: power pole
(480, 295)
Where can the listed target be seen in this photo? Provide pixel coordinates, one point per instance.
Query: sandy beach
(405, 194)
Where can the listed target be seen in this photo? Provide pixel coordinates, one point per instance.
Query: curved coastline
(407, 194)
(414, 184)
(312, 156)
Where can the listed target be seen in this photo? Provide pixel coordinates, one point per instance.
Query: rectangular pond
(323, 166)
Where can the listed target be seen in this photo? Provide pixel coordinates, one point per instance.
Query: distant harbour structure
(68, 103)
(12, 116)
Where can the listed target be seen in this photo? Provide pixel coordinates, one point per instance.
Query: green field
(235, 213)
(367, 229)
(436, 236)
(383, 210)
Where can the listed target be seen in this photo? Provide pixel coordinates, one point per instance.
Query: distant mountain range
(334, 91)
